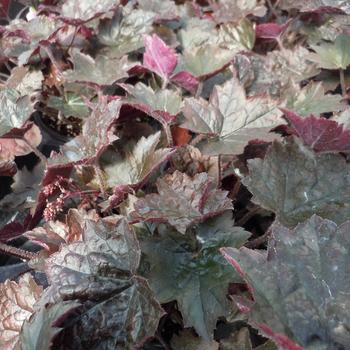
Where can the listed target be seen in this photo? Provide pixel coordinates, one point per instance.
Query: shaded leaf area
(310, 305)
(182, 201)
(136, 162)
(190, 270)
(295, 182)
(118, 309)
(95, 137)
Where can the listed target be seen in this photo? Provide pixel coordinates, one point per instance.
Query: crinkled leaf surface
(182, 201)
(275, 70)
(164, 9)
(312, 5)
(232, 117)
(321, 134)
(17, 305)
(136, 161)
(119, 322)
(26, 82)
(14, 110)
(231, 11)
(102, 70)
(119, 309)
(86, 10)
(294, 182)
(123, 32)
(332, 55)
(21, 38)
(197, 279)
(309, 304)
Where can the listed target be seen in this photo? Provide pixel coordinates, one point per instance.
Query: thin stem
(197, 139)
(19, 253)
(168, 134)
(258, 241)
(219, 170)
(199, 89)
(342, 81)
(100, 180)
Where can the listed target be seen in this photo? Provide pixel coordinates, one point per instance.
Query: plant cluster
(174, 175)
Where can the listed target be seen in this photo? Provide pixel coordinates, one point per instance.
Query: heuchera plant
(174, 175)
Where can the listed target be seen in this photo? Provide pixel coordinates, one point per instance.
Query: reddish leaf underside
(322, 135)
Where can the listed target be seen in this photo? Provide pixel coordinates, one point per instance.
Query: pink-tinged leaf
(16, 306)
(10, 146)
(270, 30)
(4, 7)
(186, 80)
(322, 135)
(158, 57)
(283, 342)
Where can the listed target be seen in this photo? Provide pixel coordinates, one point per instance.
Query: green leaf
(95, 137)
(102, 70)
(237, 37)
(232, 117)
(38, 331)
(196, 278)
(301, 289)
(24, 81)
(295, 183)
(182, 201)
(136, 162)
(69, 104)
(161, 100)
(313, 100)
(17, 305)
(204, 61)
(332, 55)
(14, 110)
(123, 32)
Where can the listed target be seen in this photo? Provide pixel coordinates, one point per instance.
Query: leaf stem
(168, 134)
(342, 81)
(17, 252)
(100, 180)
